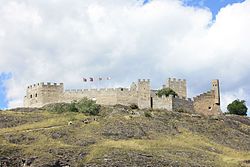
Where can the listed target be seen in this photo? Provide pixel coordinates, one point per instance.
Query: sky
(63, 41)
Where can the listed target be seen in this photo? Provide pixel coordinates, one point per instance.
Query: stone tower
(216, 91)
(38, 95)
(179, 86)
(144, 93)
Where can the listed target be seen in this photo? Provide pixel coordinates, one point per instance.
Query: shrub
(166, 92)
(85, 105)
(147, 114)
(181, 110)
(88, 106)
(58, 107)
(237, 107)
(72, 106)
(134, 106)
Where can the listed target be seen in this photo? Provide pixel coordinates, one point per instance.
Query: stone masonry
(139, 93)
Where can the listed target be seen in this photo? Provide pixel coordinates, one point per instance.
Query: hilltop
(121, 136)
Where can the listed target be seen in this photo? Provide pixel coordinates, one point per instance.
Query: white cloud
(64, 40)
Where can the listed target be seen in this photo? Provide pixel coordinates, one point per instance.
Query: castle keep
(139, 93)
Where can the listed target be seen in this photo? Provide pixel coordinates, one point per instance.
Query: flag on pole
(84, 80)
(91, 79)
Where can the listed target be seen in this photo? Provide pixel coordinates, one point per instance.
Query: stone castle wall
(162, 103)
(102, 96)
(183, 104)
(41, 94)
(140, 94)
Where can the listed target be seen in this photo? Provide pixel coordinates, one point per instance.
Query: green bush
(88, 106)
(58, 107)
(237, 107)
(85, 105)
(147, 114)
(166, 92)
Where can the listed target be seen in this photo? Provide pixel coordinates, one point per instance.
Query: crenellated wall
(162, 103)
(102, 96)
(41, 94)
(208, 103)
(172, 103)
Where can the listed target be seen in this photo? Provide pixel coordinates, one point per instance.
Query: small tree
(166, 92)
(237, 107)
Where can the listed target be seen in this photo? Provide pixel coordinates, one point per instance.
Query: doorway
(151, 102)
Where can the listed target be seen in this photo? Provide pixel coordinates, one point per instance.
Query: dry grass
(186, 141)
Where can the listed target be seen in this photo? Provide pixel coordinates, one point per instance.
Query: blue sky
(213, 5)
(3, 100)
(62, 41)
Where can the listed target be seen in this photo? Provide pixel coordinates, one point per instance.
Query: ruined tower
(209, 103)
(216, 90)
(144, 93)
(179, 86)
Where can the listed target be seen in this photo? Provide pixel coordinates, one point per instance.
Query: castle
(139, 93)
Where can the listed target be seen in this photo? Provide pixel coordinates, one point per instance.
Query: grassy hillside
(120, 136)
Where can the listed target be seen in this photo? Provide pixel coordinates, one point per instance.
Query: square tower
(144, 93)
(40, 94)
(216, 90)
(179, 86)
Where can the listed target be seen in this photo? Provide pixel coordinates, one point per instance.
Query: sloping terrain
(120, 136)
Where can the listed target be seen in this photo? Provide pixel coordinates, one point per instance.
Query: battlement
(174, 97)
(92, 90)
(143, 80)
(44, 84)
(207, 94)
(178, 85)
(177, 80)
